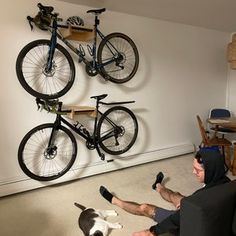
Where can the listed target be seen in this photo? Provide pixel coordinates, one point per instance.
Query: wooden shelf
(80, 33)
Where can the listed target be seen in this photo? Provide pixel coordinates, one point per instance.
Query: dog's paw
(111, 213)
(118, 225)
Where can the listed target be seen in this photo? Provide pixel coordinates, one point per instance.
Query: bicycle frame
(78, 52)
(91, 139)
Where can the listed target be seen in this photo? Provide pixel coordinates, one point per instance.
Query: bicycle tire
(123, 118)
(31, 73)
(36, 161)
(118, 42)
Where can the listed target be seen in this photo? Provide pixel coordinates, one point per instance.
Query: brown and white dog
(93, 221)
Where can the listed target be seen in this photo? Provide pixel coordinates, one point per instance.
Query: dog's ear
(97, 233)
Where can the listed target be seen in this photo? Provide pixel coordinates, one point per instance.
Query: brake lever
(37, 102)
(30, 19)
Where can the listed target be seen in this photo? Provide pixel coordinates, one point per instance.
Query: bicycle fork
(49, 70)
(51, 150)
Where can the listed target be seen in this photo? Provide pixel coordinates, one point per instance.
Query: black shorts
(161, 214)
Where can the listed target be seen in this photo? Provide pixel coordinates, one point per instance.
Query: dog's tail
(80, 206)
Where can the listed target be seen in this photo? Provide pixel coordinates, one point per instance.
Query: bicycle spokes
(43, 77)
(114, 132)
(118, 130)
(42, 161)
(118, 57)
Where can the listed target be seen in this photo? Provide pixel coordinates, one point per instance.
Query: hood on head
(214, 167)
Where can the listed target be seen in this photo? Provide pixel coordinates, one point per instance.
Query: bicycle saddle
(99, 97)
(96, 11)
(45, 9)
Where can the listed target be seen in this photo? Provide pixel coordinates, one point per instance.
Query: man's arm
(170, 225)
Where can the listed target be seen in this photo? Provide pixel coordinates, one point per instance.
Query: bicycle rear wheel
(117, 130)
(42, 162)
(123, 55)
(32, 75)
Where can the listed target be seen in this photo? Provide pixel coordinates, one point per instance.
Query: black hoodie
(213, 163)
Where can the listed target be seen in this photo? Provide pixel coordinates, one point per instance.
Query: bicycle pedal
(106, 78)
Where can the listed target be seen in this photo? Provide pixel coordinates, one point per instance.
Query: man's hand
(143, 233)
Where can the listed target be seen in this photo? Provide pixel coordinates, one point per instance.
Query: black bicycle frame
(52, 47)
(53, 42)
(83, 132)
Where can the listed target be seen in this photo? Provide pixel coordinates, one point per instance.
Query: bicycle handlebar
(46, 12)
(43, 18)
(48, 105)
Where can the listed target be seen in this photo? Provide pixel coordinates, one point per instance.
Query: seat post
(226, 153)
(97, 21)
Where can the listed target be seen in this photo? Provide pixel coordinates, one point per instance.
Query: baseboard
(22, 183)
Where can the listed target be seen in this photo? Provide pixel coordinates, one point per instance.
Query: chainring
(90, 70)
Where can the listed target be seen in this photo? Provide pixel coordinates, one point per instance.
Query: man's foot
(106, 194)
(159, 178)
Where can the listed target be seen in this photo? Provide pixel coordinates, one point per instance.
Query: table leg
(227, 157)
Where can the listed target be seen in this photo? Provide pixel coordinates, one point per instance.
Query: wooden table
(226, 122)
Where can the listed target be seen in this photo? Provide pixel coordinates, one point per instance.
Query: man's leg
(134, 208)
(158, 214)
(169, 195)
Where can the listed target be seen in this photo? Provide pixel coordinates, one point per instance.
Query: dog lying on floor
(92, 221)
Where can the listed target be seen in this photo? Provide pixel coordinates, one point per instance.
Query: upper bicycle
(46, 69)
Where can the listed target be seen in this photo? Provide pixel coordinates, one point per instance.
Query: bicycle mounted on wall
(46, 70)
(49, 150)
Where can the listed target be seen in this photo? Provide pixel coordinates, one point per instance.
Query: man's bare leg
(134, 208)
(169, 195)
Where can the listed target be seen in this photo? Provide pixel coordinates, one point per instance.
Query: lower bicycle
(49, 150)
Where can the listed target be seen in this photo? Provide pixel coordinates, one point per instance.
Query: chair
(218, 113)
(211, 212)
(221, 142)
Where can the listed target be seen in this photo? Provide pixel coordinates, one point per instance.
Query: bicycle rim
(42, 163)
(122, 50)
(126, 121)
(31, 70)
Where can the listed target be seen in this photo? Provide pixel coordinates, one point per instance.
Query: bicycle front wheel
(118, 57)
(32, 74)
(117, 130)
(44, 162)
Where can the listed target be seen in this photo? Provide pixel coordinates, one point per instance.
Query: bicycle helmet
(75, 20)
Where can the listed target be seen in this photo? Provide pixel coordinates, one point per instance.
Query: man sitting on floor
(208, 167)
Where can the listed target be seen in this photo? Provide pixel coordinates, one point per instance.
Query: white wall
(231, 85)
(231, 91)
(182, 73)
